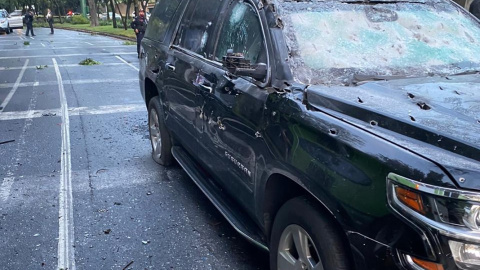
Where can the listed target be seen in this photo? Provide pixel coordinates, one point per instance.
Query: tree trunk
(113, 14)
(129, 3)
(144, 7)
(93, 13)
(121, 16)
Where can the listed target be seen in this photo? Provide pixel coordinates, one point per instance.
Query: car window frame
(189, 11)
(263, 24)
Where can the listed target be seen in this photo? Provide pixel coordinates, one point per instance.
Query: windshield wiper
(358, 79)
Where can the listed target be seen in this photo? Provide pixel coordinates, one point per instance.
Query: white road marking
(14, 88)
(86, 81)
(73, 111)
(65, 65)
(5, 188)
(89, 43)
(66, 254)
(123, 60)
(62, 48)
(67, 55)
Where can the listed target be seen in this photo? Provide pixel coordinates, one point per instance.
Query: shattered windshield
(331, 42)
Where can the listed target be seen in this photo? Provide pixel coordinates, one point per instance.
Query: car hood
(436, 117)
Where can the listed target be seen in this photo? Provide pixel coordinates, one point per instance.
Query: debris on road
(89, 62)
(26, 43)
(41, 66)
(9, 141)
(128, 265)
(146, 242)
(49, 114)
(107, 231)
(117, 203)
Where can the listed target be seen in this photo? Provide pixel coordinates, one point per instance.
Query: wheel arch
(151, 90)
(279, 189)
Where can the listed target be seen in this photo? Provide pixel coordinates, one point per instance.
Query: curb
(96, 33)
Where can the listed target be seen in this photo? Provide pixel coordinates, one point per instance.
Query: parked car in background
(16, 19)
(4, 24)
(338, 135)
(103, 16)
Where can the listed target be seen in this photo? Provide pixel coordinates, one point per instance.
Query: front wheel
(159, 135)
(303, 239)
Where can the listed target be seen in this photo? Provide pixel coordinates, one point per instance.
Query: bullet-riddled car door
(184, 62)
(233, 106)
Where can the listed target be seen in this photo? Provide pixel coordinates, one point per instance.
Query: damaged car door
(234, 99)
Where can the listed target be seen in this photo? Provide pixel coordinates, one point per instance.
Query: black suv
(337, 134)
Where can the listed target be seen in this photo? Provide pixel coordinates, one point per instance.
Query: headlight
(454, 213)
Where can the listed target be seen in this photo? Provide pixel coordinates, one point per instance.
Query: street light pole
(83, 6)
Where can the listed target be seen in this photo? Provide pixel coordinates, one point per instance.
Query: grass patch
(129, 43)
(88, 62)
(26, 43)
(107, 29)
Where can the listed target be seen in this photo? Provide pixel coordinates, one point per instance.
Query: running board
(240, 221)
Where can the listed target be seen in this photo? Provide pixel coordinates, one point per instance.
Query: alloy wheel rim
(155, 137)
(297, 251)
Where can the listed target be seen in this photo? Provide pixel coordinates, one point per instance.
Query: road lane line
(65, 65)
(73, 111)
(123, 60)
(5, 188)
(42, 45)
(14, 88)
(89, 43)
(67, 55)
(61, 48)
(66, 254)
(68, 82)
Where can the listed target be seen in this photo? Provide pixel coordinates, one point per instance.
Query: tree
(93, 13)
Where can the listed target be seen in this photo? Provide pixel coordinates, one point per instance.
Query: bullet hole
(461, 179)
(410, 95)
(441, 88)
(360, 100)
(456, 92)
(412, 118)
(333, 131)
(373, 123)
(423, 106)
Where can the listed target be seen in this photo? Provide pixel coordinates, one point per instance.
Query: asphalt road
(78, 188)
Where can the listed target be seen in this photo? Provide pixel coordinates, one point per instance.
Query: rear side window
(161, 19)
(242, 32)
(197, 28)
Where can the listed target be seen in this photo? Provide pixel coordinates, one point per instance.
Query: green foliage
(78, 19)
(26, 43)
(88, 62)
(104, 23)
(129, 43)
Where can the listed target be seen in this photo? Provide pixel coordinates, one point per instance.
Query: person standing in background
(139, 24)
(50, 20)
(29, 22)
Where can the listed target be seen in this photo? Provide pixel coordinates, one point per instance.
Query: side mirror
(238, 65)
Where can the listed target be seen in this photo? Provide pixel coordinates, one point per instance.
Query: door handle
(170, 67)
(207, 88)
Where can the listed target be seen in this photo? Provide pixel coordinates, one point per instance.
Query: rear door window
(161, 19)
(198, 27)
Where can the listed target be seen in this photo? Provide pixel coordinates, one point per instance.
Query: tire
(298, 219)
(159, 136)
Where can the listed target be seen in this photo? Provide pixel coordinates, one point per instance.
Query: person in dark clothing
(29, 22)
(139, 24)
(50, 20)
